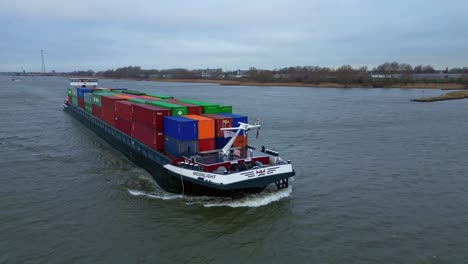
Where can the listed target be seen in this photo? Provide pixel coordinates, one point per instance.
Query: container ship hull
(183, 180)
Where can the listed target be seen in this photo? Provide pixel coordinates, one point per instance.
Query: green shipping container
(177, 110)
(70, 91)
(75, 100)
(132, 92)
(208, 108)
(225, 109)
(164, 97)
(97, 97)
(88, 108)
(137, 100)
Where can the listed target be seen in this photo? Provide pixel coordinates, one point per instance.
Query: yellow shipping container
(206, 126)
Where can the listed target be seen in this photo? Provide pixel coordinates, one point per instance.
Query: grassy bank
(447, 96)
(419, 85)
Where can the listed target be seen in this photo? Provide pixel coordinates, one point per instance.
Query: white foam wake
(254, 200)
(162, 196)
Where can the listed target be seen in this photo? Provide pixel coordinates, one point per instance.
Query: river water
(379, 179)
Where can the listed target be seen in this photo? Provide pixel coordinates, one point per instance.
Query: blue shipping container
(181, 128)
(236, 119)
(179, 148)
(82, 91)
(220, 142)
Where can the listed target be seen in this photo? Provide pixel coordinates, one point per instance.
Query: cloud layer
(100, 35)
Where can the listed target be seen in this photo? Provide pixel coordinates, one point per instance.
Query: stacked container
(191, 108)
(220, 122)
(241, 140)
(177, 110)
(180, 136)
(70, 95)
(123, 116)
(206, 132)
(108, 108)
(208, 108)
(97, 104)
(148, 124)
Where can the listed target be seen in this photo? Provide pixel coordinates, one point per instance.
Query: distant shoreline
(420, 85)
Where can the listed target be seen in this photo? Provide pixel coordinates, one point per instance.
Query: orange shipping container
(206, 126)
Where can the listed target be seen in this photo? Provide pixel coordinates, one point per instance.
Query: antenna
(43, 63)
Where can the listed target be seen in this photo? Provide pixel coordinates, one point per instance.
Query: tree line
(346, 74)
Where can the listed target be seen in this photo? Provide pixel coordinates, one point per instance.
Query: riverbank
(419, 85)
(444, 97)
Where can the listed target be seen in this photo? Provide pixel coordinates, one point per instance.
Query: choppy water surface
(379, 180)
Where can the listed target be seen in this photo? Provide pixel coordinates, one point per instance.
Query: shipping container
(225, 109)
(88, 98)
(164, 97)
(151, 116)
(148, 98)
(69, 91)
(81, 103)
(179, 148)
(82, 91)
(88, 108)
(108, 116)
(220, 142)
(123, 125)
(108, 102)
(220, 122)
(191, 108)
(206, 144)
(74, 92)
(206, 126)
(75, 100)
(177, 110)
(236, 119)
(70, 99)
(118, 89)
(133, 92)
(97, 111)
(137, 100)
(97, 97)
(240, 141)
(123, 110)
(181, 128)
(148, 136)
(208, 108)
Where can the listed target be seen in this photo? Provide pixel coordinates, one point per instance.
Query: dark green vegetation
(383, 75)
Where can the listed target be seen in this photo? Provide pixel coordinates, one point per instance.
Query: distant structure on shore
(44, 70)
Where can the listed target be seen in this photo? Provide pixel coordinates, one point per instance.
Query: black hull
(153, 161)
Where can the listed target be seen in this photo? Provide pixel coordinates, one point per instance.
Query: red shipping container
(81, 103)
(97, 111)
(241, 141)
(108, 117)
(191, 109)
(108, 102)
(123, 125)
(206, 144)
(70, 99)
(220, 122)
(148, 136)
(123, 109)
(150, 116)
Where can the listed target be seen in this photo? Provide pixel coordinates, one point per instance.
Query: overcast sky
(105, 34)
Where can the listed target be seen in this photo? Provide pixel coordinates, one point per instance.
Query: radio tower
(43, 63)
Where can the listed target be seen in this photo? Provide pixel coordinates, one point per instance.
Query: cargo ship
(188, 147)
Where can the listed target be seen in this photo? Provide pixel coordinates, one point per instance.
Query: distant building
(211, 73)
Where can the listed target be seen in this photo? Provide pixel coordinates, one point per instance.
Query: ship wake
(251, 200)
